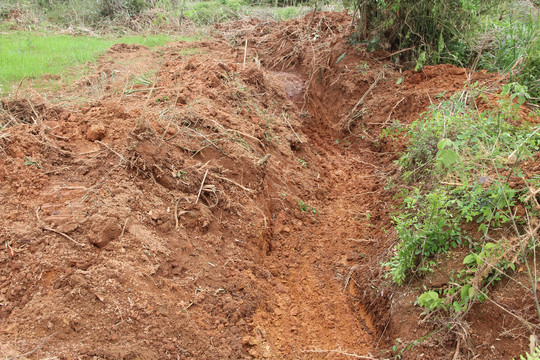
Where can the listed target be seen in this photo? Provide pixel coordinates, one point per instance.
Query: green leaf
(341, 57)
(399, 81)
(469, 259)
(471, 292)
(447, 157)
(465, 292)
(482, 227)
(420, 62)
(444, 143)
(425, 298)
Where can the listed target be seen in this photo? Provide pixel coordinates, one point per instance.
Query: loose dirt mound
(201, 206)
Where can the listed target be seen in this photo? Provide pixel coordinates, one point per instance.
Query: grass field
(31, 55)
(31, 47)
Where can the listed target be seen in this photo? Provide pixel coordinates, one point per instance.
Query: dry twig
(122, 158)
(245, 53)
(234, 183)
(395, 53)
(202, 184)
(34, 350)
(337, 351)
(43, 227)
(294, 132)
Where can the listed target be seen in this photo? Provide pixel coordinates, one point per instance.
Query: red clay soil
(189, 205)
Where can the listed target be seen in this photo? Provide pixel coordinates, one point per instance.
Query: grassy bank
(31, 55)
(30, 46)
(139, 15)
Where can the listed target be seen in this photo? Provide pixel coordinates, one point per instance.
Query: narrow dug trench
(316, 310)
(329, 299)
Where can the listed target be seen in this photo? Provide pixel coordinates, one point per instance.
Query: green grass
(209, 12)
(128, 15)
(511, 45)
(31, 55)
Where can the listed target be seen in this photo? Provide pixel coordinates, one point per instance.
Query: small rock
(111, 230)
(230, 307)
(253, 353)
(280, 288)
(68, 227)
(95, 132)
(245, 340)
(293, 311)
(169, 347)
(458, 71)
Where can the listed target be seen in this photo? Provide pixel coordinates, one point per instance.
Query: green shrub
(425, 227)
(286, 13)
(463, 159)
(112, 8)
(534, 356)
(511, 45)
(210, 12)
(436, 29)
(476, 139)
(482, 267)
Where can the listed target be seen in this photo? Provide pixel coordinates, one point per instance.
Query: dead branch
(234, 183)
(42, 225)
(202, 184)
(34, 350)
(337, 351)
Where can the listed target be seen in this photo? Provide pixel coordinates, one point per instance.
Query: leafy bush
(534, 356)
(511, 44)
(497, 35)
(425, 227)
(455, 139)
(111, 8)
(280, 3)
(286, 13)
(210, 12)
(483, 266)
(464, 158)
(435, 28)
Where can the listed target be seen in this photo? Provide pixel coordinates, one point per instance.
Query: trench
(318, 305)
